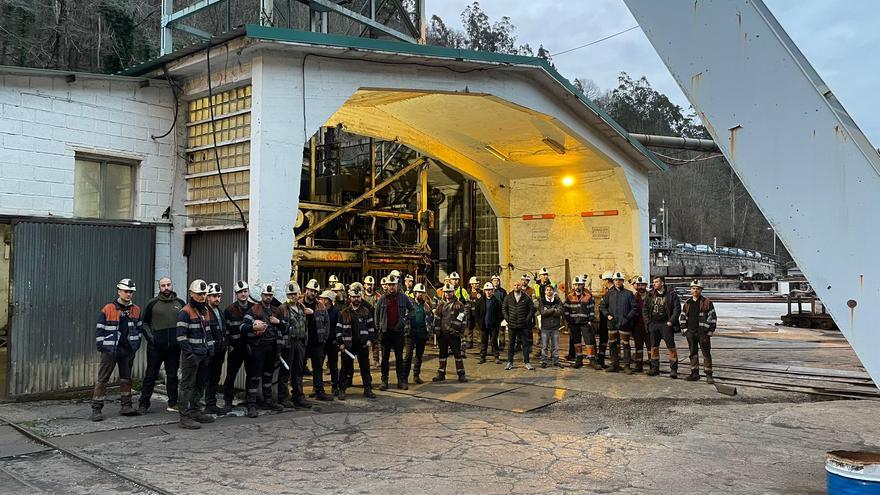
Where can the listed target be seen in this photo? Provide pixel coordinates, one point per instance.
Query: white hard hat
(313, 284)
(496, 277)
(126, 284)
(408, 277)
(579, 281)
(369, 280)
(333, 279)
(696, 283)
(338, 286)
(488, 286)
(393, 279)
(241, 285)
(419, 288)
(394, 273)
(384, 280)
(269, 289)
(214, 288)
(543, 272)
(454, 276)
(619, 276)
(473, 280)
(448, 288)
(640, 280)
(292, 288)
(354, 290)
(198, 286)
(607, 275)
(328, 294)
(526, 276)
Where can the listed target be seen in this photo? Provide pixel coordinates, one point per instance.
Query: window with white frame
(104, 187)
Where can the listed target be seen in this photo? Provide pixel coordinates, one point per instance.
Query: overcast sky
(841, 40)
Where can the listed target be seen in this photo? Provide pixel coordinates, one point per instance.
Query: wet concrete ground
(602, 433)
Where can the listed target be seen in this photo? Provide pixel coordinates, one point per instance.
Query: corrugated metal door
(219, 256)
(63, 273)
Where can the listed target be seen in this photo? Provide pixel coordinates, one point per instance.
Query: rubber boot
(627, 360)
(639, 359)
(441, 372)
(188, 423)
(709, 378)
(96, 415)
(673, 369)
(654, 368)
(600, 361)
(615, 359)
(694, 376)
(579, 362)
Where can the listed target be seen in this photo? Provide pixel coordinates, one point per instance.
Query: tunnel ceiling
(467, 124)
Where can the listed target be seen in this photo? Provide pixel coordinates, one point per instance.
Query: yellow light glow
(568, 181)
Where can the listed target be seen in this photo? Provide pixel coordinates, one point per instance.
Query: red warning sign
(600, 213)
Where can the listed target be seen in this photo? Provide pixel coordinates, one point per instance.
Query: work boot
(709, 378)
(252, 411)
(544, 365)
(142, 409)
(600, 361)
(288, 404)
(96, 411)
(188, 423)
(654, 368)
(334, 390)
(418, 379)
(384, 385)
(323, 397)
(509, 366)
(201, 417)
(462, 378)
(441, 376)
(227, 406)
(401, 385)
(274, 406)
(497, 360)
(482, 359)
(368, 393)
(301, 403)
(594, 363)
(214, 409)
(530, 367)
(579, 363)
(341, 395)
(673, 373)
(640, 368)
(694, 376)
(126, 409)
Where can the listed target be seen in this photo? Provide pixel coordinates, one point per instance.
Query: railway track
(32, 486)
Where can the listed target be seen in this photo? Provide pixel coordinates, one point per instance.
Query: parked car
(724, 251)
(740, 253)
(702, 249)
(750, 254)
(687, 248)
(758, 255)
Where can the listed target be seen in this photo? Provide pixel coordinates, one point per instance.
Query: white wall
(45, 121)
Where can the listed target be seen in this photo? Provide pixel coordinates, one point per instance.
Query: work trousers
(698, 341)
(121, 360)
(157, 355)
(393, 341)
(191, 367)
(550, 345)
(215, 369)
(447, 342)
(331, 353)
(639, 336)
(296, 359)
(259, 367)
(469, 334)
(660, 331)
(362, 353)
(522, 336)
(489, 335)
(583, 333)
(603, 338)
(415, 349)
(282, 385)
(315, 353)
(237, 356)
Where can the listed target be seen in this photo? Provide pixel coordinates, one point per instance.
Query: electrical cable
(214, 137)
(176, 105)
(594, 42)
(684, 160)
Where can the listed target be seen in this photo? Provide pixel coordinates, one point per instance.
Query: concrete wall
(45, 121)
(591, 244)
(707, 265)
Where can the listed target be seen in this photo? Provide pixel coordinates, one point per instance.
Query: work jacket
(355, 327)
(671, 306)
(707, 319)
(109, 331)
(160, 319)
(404, 314)
(620, 304)
(579, 309)
(262, 313)
(551, 314)
(452, 318)
(195, 329)
(295, 319)
(234, 315)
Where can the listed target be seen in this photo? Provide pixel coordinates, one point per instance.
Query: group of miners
(276, 341)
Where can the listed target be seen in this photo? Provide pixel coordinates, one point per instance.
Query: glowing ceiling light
(568, 181)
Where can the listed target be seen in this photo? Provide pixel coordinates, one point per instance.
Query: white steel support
(166, 43)
(805, 162)
(276, 163)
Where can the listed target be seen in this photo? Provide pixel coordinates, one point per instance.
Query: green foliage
(479, 33)
(130, 45)
(639, 108)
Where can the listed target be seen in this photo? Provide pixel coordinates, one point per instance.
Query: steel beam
(351, 206)
(328, 6)
(198, 33)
